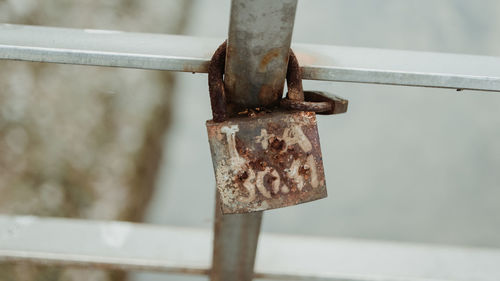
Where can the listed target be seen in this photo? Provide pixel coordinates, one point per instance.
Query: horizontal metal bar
(122, 245)
(114, 245)
(191, 54)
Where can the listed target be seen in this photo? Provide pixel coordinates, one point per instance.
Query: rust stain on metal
(318, 107)
(294, 79)
(338, 104)
(269, 93)
(268, 57)
(270, 161)
(316, 101)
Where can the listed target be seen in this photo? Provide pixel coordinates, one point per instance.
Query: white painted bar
(183, 250)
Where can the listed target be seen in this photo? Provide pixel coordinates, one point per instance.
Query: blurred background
(404, 164)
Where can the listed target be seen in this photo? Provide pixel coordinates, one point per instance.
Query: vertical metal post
(235, 244)
(260, 33)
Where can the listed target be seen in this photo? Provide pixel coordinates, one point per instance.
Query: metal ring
(306, 105)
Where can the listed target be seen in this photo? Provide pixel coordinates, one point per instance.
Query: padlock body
(267, 161)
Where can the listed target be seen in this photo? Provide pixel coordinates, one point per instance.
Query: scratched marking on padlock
(267, 162)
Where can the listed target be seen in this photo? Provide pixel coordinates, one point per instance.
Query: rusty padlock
(267, 159)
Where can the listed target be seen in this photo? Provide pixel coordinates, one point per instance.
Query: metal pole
(260, 33)
(235, 245)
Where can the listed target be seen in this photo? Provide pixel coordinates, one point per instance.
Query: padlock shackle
(216, 83)
(218, 98)
(294, 79)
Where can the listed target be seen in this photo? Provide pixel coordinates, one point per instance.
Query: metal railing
(191, 54)
(140, 247)
(267, 26)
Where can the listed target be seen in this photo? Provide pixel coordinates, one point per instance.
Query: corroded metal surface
(338, 104)
(268, 161)
(320, 102)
